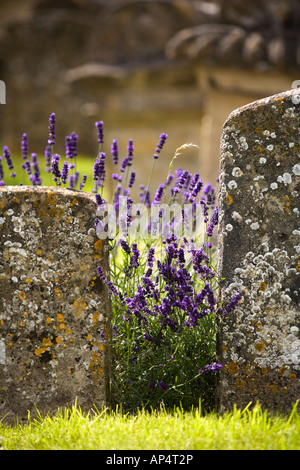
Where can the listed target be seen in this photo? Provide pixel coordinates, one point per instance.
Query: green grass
(254, 429)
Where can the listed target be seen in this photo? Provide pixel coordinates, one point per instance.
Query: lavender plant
(162, 280)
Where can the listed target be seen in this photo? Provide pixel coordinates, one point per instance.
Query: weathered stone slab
(259, 253)
(54, 313)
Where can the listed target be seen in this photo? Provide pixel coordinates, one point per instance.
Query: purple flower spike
(161, 143)
(81, 186)
(152, 383)
(125, 246)
(159, 193)
(214, 367)
(64, 172)
(114, 151)
(52, 121)
(24, 146)
(28, 167)
(124, 164)
(130, 148)
(71, 145)
(99, 125)
(36, 180)
(55, 168)
(1, 169)
(99, 199)
(150, 257)
(213, 222)
(48, 155)
(163, 386)
(7, 157)
(132, 179)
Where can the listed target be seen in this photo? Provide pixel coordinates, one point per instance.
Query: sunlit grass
(84, 164)
(254, 429)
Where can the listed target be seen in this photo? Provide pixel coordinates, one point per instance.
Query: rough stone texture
(53, 307)
(259, 253)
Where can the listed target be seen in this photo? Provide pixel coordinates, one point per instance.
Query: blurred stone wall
(142, 66)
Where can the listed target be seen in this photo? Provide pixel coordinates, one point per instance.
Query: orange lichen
(273, 388)
(228, 200)
(98, 245)
(263, 286)
(233, 368)
(95, 317)
(60, 317)
(259, 346)
(74, 202)
(56, 290)
(22, 295)
(286, 203)
(47, 342)
(51, 199)
(38, 352)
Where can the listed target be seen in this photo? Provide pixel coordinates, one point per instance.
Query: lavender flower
(101, 274)
(207, 188)
(231, 305)
(1, 169)
(64, 172)
(124, 164)
(99, 200)
(84, 178)
(127, 160)
(163, 386)
(195, 188)
(159, 193)
(115, 151)
(55, 168)
(24, 146)
(36, 180)
(214, 367)
(100, 134)
(48, 155)
(6, 154)
(213, 222)
(99, 170)
(150, 257)
(71, 147)
(134, 262)
(161, 143)
(152, 383)
(132, 179)
(52, 121)
(130, 149)
(125, 246)
(28, 167)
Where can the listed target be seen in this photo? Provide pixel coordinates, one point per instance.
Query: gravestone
(54, 312)
(259, 254)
